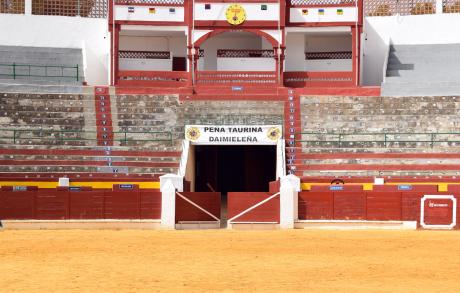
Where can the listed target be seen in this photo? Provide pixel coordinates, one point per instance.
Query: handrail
(18, 70)
(383, 137)
(43, 134)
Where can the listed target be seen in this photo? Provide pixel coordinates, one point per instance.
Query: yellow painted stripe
(442, 186)
(95, 184)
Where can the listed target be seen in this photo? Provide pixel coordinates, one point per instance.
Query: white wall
(176, 45)
(253, 11)
(220, 42)
(330, 14)
(142, 13)
(145, 64)
(403, 30)
(246, 64)
(62, 32)
(299, 43)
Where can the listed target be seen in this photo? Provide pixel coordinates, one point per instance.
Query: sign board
(233, 134)
(405, 187)
(126, 186)
(74, 188)
(336, 187)
(19, 188)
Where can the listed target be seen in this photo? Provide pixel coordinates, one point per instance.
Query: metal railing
(12, 6)
(28, 70)
(83, 8)
(401, 7)
(62, 136)
(385, 140)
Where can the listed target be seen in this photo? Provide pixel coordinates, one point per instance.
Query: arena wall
(403, 30)
(89, 34)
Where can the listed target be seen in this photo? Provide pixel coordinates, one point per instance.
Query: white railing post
(169, 183)
(290, 187)
(28, 7)
(439, 6)
(184, 158)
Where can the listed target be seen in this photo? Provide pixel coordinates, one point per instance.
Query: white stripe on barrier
(253, 207)
(197, 206)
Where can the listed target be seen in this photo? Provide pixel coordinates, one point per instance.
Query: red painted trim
(149, 5)
(381, 167)
(161, 23)
(323, 5)
(233, 1)
(388, 179)
(80, 176)
(86, 163)
(61, 152)
(215, 32)
(209, 24)
(379, 156)
(318, 24)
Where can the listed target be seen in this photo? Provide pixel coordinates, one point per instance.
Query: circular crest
(274, 133)
(193, 134)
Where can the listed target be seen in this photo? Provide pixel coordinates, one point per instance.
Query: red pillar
(114, 45)
(355, 36)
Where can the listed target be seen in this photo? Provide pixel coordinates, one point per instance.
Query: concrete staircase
(422, 137)
(64, 72)
(422, 70)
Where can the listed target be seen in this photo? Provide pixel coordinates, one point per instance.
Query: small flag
(172, 10)
(320, 11)
(339, 11)
(130, 9)
(304, 11)
(152, 10)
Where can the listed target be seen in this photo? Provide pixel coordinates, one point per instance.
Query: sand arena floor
(229, 261)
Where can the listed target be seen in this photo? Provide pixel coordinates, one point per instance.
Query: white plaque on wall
(233, 134)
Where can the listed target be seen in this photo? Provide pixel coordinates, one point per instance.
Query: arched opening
(236, 58)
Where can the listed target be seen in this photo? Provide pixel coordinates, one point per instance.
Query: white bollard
(290, 186)
(169, 183)
(28, 7)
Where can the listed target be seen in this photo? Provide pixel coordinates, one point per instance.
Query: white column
(290, 186)
(28, 7)
(169, 183)
(438, 6)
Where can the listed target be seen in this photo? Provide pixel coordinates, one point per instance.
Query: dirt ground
(229, 261)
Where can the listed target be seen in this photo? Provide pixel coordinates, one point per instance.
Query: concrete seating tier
(377, 136)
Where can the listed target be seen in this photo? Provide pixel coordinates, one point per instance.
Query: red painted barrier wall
(385, 203)
(240, 201)
(438, 211)
(83, 203)
(185, 211)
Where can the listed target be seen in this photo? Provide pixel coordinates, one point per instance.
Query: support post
(169, 183)
(28, 7)
(290, 186)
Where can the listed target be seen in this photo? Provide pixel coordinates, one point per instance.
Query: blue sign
(126, 186)
(19, 188)
(405, 187)
(74, 188)
(237, 88)
(336, 187)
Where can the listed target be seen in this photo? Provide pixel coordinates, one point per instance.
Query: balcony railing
(233, 53)
(236, 78)
(304, 79)
(152, 78)
(83, 8)
(19, 71)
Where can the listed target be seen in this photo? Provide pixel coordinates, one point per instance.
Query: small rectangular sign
(19, 188)
(336, 187)
(126, 186)
(74, 188)
(237, 88)
(131, 9)
(404, 187)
